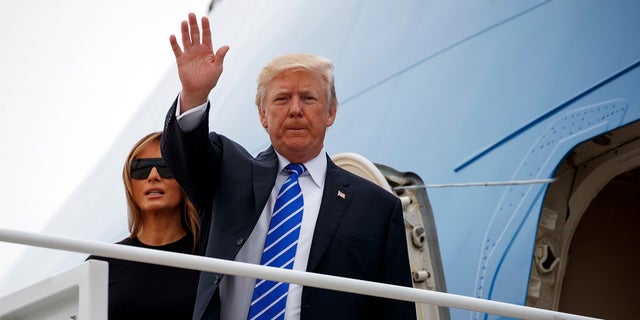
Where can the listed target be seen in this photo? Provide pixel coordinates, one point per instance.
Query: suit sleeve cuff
(191, 118)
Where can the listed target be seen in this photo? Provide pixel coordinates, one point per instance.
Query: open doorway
(584, 259)
(601, 276)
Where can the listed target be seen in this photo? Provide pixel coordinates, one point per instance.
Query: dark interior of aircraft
(601, 278)
(587, 239)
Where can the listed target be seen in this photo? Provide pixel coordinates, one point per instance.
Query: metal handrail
(193, 262)
(478, 184)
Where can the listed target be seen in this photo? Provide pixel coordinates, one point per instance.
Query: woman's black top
(148, 291)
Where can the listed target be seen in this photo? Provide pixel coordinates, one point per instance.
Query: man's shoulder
(360, 184)
(236, 148)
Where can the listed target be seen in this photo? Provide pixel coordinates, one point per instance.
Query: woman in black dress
(161, 217)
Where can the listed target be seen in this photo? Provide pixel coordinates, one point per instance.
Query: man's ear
(263, 116)
(332, 115)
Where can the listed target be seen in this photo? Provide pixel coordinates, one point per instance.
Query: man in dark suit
(349, 226)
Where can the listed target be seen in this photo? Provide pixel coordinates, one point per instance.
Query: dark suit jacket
(360, 235)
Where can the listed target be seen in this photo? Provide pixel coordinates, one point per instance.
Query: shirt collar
(316, 167)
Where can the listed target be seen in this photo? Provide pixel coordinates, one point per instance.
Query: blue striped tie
(269, 297)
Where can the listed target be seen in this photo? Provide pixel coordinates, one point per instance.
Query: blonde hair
(190, 217)
(309, 62)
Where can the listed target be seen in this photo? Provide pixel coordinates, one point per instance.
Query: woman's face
(155, 193)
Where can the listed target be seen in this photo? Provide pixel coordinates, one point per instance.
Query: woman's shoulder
(130, 241)
(126, 241)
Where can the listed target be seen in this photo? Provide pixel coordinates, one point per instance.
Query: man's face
(296, 114)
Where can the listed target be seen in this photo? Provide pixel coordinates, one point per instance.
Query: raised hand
(199, 67)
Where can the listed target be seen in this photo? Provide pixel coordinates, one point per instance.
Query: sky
(72, 73)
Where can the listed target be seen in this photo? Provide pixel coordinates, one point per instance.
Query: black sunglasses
(140, 168)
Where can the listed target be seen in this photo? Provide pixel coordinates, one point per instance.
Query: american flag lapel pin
(341, 194)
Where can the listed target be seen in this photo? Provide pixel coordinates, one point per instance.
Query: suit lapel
(265, 170)
(335, 200)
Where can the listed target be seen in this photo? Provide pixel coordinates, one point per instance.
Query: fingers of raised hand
(206, 32)
(190, 33)
(195, 30)
(221, 53)
(186, 38)
(177, 52)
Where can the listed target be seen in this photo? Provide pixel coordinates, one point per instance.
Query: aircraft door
(586, 231)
